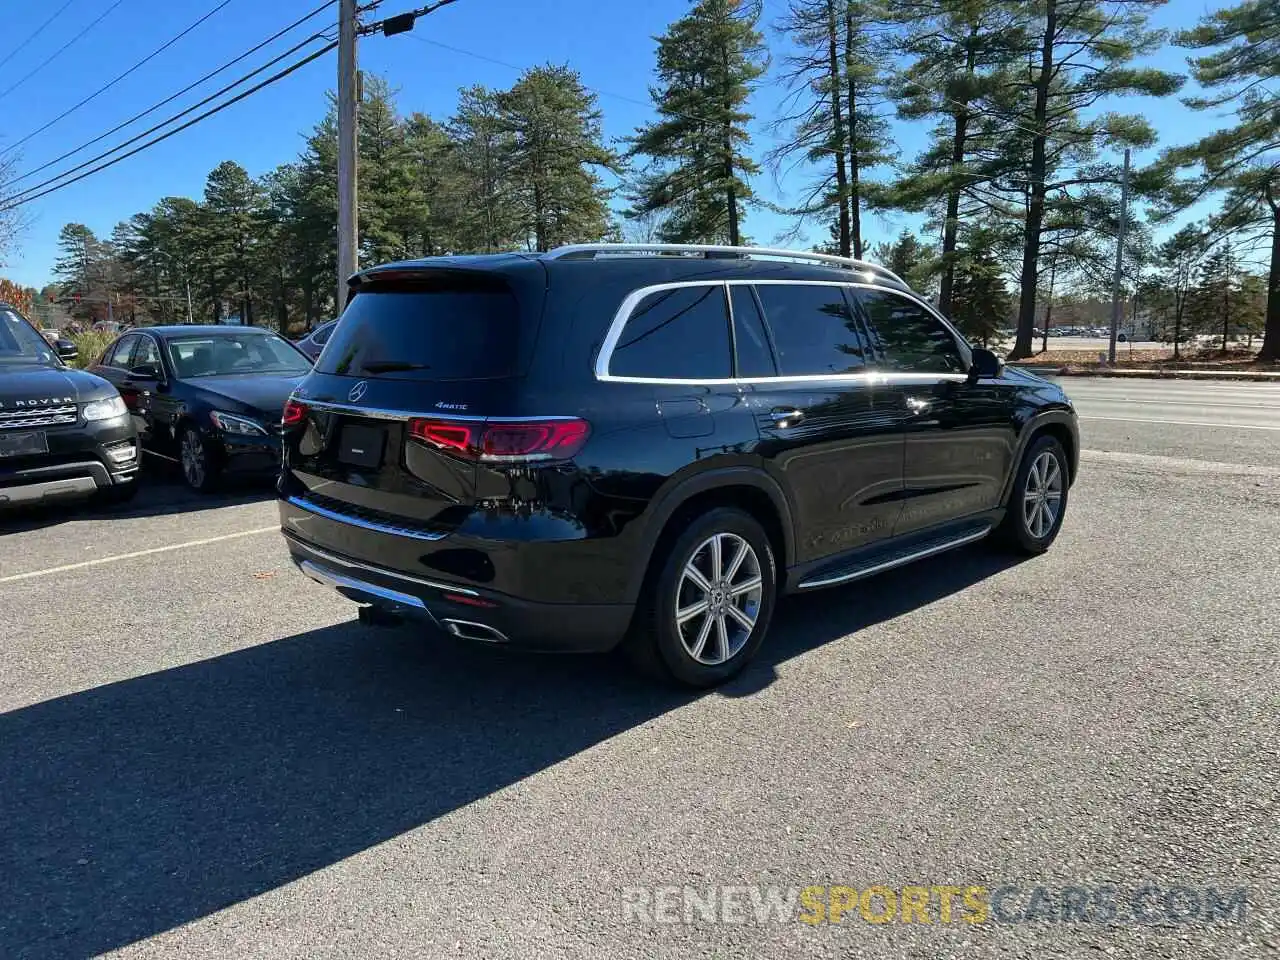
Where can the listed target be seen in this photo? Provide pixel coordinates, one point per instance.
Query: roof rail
(590, 251)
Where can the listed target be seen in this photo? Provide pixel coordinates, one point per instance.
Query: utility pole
(1115, 283)
(189, 321)
(348, 215)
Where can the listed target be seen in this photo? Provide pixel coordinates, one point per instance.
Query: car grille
(39, 417)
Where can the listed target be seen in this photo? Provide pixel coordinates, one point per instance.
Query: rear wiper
(391, 366)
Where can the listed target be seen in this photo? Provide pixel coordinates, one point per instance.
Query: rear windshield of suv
(424, 334)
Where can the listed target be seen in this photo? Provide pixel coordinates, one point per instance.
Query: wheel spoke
(685, 614)
(696, 650)
(1053, 474)
(747, 621)
(717, 560)
(722, 639)
(694, 574)
(1054, 496)
(738, 589)
(738, 557)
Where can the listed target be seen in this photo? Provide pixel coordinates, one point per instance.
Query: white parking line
(1183, 423)
(137, 553)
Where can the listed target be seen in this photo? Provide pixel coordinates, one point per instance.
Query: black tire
(117, 494)
(655, 643)
(204, 480)
(1016, 531)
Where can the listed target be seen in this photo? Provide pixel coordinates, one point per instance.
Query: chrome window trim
(382, 571)
(629, 303)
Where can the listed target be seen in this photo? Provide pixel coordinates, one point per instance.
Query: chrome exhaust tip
(468, 630)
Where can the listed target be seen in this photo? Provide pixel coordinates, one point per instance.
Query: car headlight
(107, 409)
(233, 423)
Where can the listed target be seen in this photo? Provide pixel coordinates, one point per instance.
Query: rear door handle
(786, 416)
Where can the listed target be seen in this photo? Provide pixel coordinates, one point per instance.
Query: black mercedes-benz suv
(64, 434)
(647, 445)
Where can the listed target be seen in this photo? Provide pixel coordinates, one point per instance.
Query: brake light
(294, 413)
(445, 435)
(503, 442)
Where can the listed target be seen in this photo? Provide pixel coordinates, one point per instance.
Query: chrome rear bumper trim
(359, 590)
(346, 518)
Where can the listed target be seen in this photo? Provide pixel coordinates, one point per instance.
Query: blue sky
(609, 42)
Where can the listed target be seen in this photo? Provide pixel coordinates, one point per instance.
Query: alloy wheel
(718, 599)
(1042, 498)
(193, 465)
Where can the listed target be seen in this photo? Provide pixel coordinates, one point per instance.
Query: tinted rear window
(425, 335)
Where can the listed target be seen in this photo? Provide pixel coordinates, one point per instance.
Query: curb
(1264, 376)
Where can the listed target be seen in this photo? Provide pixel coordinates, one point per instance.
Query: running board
(908, 554)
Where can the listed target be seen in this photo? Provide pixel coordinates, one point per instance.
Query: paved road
(201, 755)
(1231, 422)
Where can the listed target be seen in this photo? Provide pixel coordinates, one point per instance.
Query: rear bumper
(466, 610)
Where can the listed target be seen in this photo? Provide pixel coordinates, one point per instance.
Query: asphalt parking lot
(202, 753)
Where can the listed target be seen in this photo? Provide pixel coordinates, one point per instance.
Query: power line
(62, 49)
(187, 89)
(165, 136)
(111, 83)
(35, 33)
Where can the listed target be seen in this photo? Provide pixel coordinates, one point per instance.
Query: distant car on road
(208, 398)
(314, 341)
(64, 434)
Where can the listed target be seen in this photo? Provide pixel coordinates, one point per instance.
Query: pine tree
(482, 143)
(1079, 54)
(78, 269)
(1243, 159)
(909, 259)
(957, 56)
(553, 148)
(232, 212)
(1178, 259)
(834, 122)
(699, 167)
(981, 304)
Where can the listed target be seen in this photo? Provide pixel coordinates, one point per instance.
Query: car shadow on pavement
(129, 809)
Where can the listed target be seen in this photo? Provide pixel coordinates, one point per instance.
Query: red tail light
(504, 442)
(294, 413)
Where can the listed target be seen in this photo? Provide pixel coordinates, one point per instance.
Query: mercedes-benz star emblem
(358, 391)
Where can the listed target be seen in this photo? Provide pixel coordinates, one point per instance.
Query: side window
(676, 334)
(321, 336)
(814, 329)
(147, 352)
(120, 355)
(755, 356)
(911, 338)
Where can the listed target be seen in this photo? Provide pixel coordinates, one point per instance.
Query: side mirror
(66, 350)
(985, 365)
(145, 371)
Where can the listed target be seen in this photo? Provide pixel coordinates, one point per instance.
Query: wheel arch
(1057, 423)
(746, 488)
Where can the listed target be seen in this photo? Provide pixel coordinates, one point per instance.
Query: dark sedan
(314, 341)
(208, 398)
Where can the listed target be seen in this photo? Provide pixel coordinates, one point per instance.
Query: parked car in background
(64, 434)
(314, 341)
(208, 398)
(648, 444)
